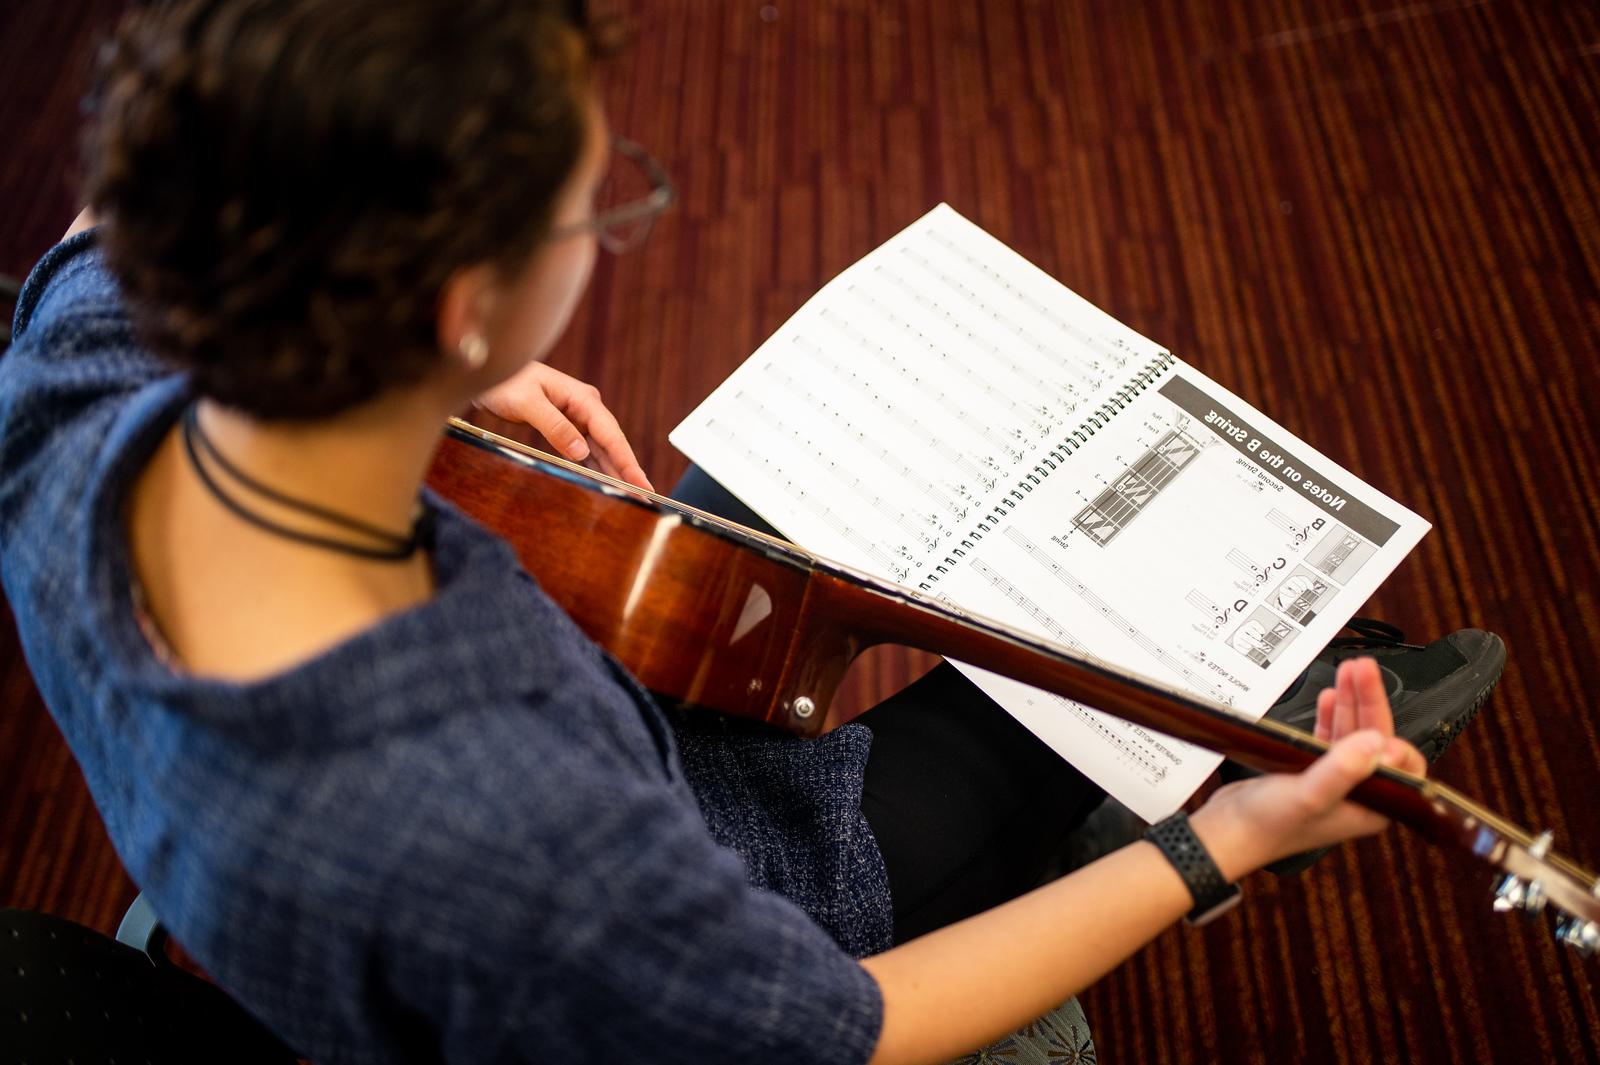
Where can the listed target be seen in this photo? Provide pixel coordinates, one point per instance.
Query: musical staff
(1112, 731)
(888, 559)
(978, 379)
(1114, 348)
(1198, 599)
(1068, 395)
(957, 410)
(924, 436)
(1281, 520)
(893, 467)
(924, 528)
(1195, 681)
(1097, 370)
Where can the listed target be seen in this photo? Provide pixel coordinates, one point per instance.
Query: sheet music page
(947, 416)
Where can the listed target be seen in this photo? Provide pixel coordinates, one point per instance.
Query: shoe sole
(1491, 662)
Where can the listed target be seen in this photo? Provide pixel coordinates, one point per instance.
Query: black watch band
(1213, 896)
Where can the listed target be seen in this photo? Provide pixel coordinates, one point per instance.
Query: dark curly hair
(285, 185)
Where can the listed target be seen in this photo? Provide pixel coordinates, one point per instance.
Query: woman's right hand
(1252, 823)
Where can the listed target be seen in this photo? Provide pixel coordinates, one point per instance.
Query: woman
(372, 778)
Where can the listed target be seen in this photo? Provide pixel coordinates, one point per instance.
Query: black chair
(71, 994)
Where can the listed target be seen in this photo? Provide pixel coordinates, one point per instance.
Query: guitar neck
(883, 613)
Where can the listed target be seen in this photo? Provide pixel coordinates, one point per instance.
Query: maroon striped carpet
(1376, 220)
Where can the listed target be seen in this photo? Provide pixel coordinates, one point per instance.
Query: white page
(926, 417)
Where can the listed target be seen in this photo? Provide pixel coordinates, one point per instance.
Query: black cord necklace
(400, 547)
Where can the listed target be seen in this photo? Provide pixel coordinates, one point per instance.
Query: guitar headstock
(1535, 880)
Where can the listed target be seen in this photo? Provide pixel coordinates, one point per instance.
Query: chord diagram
(1340, 554)
(1341, 551)
(1262, 637)
(1133, 490)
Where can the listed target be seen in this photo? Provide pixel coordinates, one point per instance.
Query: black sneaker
(1435, 692)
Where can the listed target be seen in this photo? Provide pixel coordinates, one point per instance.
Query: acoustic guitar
(712, 613)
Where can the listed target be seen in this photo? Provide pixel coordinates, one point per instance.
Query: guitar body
(707, 617)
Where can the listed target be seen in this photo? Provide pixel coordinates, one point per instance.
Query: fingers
(1357, 700)
(571, 416)
(1348, 762)
(1324, 727)
(1372, 701)
(589, 417)
(612, 449)
(564, 436)
(1344, 707)
(1400, 754)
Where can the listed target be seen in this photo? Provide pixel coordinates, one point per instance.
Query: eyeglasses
(636, 189)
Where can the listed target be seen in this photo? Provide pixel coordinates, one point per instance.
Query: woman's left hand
(570, 415)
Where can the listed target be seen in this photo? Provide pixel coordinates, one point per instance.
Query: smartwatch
(1213, 896)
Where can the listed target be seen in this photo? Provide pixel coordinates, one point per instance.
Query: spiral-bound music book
(947, 416)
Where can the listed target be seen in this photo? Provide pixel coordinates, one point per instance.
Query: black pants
(969, 808)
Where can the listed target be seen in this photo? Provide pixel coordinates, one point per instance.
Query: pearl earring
(474, 350)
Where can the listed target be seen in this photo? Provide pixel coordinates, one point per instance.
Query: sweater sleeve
(73, 348)
(603, 924)
(672, 948)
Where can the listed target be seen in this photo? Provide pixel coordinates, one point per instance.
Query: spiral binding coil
(1120, 399)
(1097, 419)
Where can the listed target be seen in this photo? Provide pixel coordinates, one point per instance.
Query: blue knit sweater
(464, 834)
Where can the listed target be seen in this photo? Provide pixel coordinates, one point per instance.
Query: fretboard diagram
(1134, 489)
(1301, 594)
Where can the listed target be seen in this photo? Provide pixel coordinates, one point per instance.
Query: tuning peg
(1533, 899)
(1509, 894)
(1582, 936)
